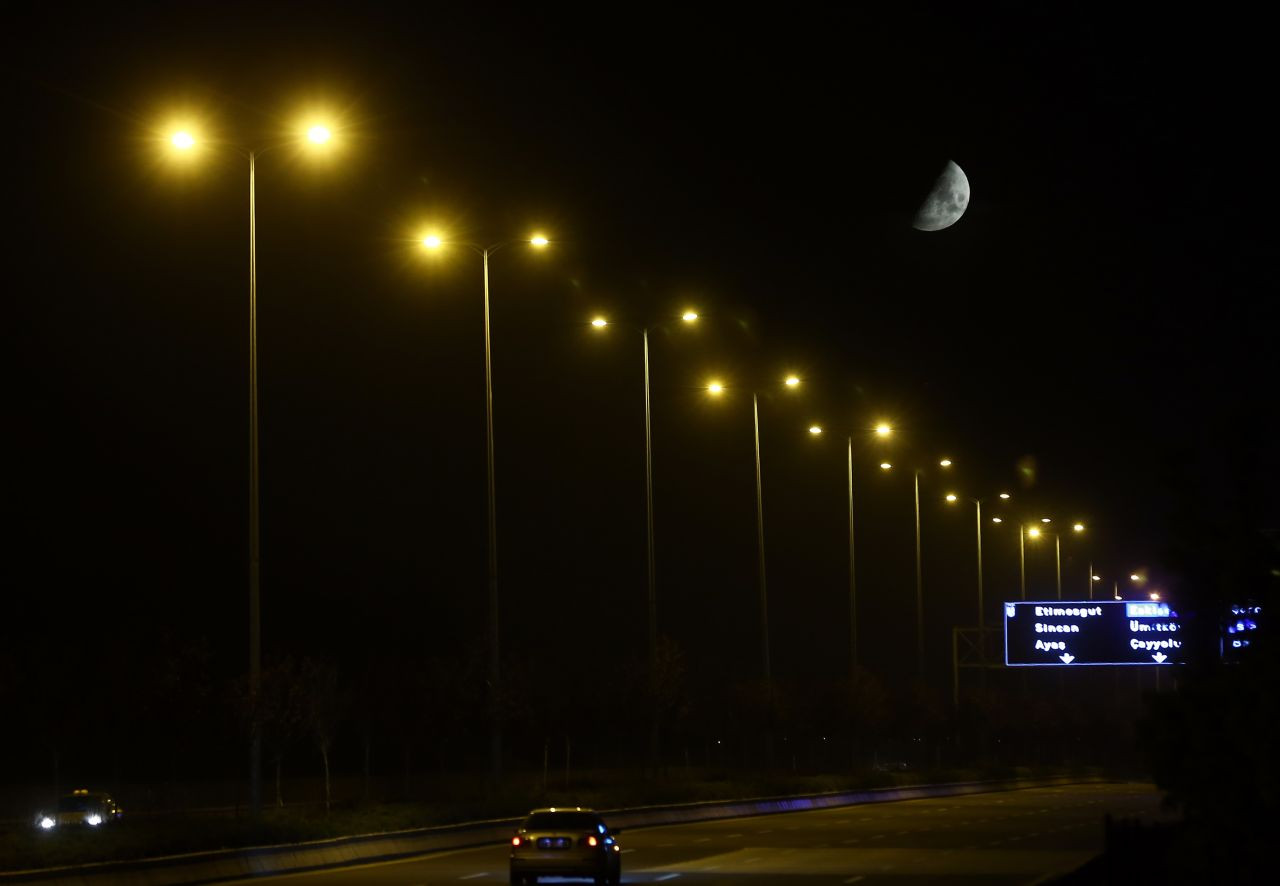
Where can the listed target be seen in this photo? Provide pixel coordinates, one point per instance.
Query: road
(1008, 837)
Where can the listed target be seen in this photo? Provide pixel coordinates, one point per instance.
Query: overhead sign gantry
(1059, 633)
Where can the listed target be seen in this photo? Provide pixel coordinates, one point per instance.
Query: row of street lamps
(317, 135)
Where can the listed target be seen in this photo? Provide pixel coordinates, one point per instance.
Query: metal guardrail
(233, 864)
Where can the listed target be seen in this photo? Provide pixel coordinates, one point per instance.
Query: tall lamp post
(952, 498)
(184, 141)
(882, 430)
(717, 389)
(944, 463)
(600, 324)
(433, 242)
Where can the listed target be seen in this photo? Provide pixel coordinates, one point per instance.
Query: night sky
(1104, 308)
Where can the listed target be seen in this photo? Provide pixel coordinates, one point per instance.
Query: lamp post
(600, 323)
(944, 463)
(881, 430)
(433, 242)
(977, 513)
(185, 142)
(716, 389)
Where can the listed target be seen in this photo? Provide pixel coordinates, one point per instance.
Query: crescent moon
(946, 202)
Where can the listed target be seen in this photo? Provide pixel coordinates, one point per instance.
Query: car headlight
(46, 822)
(94, 819)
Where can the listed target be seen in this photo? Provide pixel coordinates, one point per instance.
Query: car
(81, 807)
(565, 841)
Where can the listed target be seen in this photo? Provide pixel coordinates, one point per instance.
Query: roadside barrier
(236, 864)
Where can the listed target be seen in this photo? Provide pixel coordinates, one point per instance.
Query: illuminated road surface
(998, 838)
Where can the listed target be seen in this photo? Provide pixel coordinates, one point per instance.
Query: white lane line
(731, 836)
(473, 876)
(703, 840)
(854, 879)
(850, 840)
(765, 831)
(666, 877)
(625, 851)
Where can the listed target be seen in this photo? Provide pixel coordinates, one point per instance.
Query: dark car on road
(81, 807)
(565, 842)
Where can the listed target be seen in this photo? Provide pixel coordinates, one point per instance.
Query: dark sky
(1104, 307)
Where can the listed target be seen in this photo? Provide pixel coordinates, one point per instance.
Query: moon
(946, 202)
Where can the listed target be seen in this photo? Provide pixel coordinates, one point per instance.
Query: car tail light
(592, 841)
(515, 841)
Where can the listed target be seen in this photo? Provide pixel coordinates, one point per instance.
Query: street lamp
(433, 242)
(716, 389)
(943, 463)
(977, 506)
(601, 323)
(881, 431)
(186, 142)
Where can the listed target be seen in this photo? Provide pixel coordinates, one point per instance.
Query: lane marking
(854, 879)
(703, 840)
(732, 836)
(667, 877)
(474, 876)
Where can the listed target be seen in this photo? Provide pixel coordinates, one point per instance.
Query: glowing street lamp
(435, 242)
(599, 323)
(182, 140)
(715, 388)
(883, 429)
(817, 430)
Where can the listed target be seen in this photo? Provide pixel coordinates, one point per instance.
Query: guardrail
(234, 864)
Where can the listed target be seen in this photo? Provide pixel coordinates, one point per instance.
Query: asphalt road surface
(998, 838)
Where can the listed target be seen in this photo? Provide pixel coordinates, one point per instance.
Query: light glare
(1045, 520)
(792, 381)
(1078, 527)
(431, 241)
(715, 388)
(1033, 532)
(815, 429)
(1005, 496)
(884, 466)
(319, 134)
(946, 462)
(538, 240)
(883, 430)
(183, 140)
(599, 322)
(951, 496)
(996, 520)
(689, 316)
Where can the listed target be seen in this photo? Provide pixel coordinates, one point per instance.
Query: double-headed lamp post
(186, 142)
(717, 388)
(952, 498)
(600, 324)
(942, 463)
(1036, 532)
(538, 241)
(882, 431)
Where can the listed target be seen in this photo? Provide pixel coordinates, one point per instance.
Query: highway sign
(1061, 633)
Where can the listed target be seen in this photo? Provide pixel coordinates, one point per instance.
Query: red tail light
(592, 841)
(515, 841)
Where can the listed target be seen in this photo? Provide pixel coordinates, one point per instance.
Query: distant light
(431, 241)
(1135, 577)
(1155, 596)
(1033, 532)
(792, 381)
(946, 462)
(95, 819)
(1118, 597)
(1078, 527)
(1045, 520)
(996, 520)
(815, 429)
(715, 388)
(1005, 496)
(538, 240)
(319, 134)
(515, 841)
(592, 841)
(47, 822)
(689, 316)
(599, 322)
(183, 140)
(883, 430)
(884, 466)
(951, 496)
(1097, 578)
